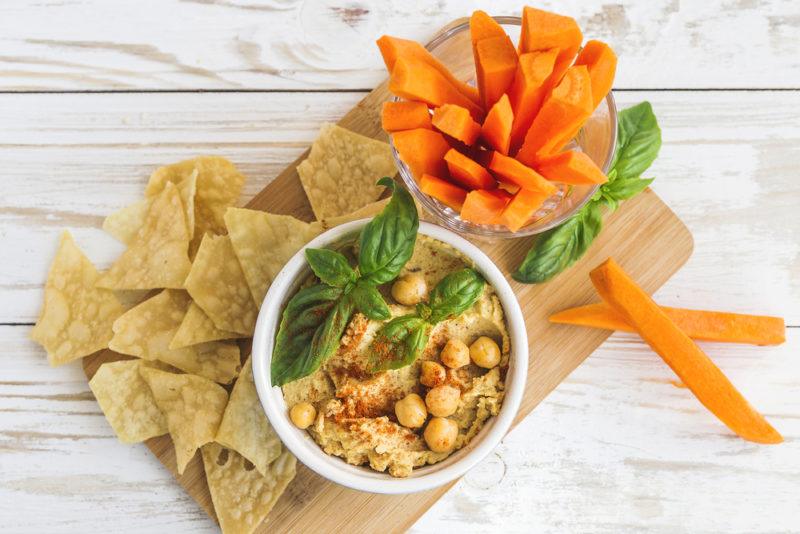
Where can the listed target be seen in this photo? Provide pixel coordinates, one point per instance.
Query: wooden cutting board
(644, 236)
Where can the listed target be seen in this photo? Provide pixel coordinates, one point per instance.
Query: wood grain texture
(329, 44)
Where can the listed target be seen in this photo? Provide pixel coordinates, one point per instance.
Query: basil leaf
(398, 343)
(387, 241)
(454, 294)
(623, 189)
(331, 267)
(328, 336)
(638, 141)
(560, 247)
(368, 300)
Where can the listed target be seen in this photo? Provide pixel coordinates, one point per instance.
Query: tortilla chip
(124, 224)
(127, 402)
(242, 497)
(218, 186)
(340, 172)
(196, 327)
(132, 297)
(76, 316)
(158, 255)
(217, 284)
(146, 331)
(367, 212)
(193, 407)
(263, 243)
(245, 427)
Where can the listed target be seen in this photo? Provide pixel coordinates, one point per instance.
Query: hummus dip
(355, 408)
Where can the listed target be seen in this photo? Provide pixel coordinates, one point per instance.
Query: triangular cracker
(76, 316)
(196, 327)
(367, 212)
(193, 406)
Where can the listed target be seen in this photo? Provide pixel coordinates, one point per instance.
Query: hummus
(355, 408)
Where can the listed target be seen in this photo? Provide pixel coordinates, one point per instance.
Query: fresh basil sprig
(638, 143)
(314, 320)
(400, 341)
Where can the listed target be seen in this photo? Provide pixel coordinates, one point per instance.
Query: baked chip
(217, 284)
(196, 327)
(367, 212)
(147, 329)
(340, 172)
(193, 407)
(243, 497)
(158, 255)
(76, 316)
(264, 242)
(245, 427)
(127, 402)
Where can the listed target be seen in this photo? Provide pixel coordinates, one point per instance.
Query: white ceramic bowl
(363, 478)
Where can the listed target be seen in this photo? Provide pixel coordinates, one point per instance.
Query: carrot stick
(692, 365)
(602, 64)
(521, 208)
(422, 150)
(697, 324)
(512, 171)
(496, 129)
(484, 207)
(495, 65)
(407, 115)
(445, 192)
(531, 83)
(542, 30)
(571, 167)
(467, 172)
(456, 122)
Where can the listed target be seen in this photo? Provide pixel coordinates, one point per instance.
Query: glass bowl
(597, 138)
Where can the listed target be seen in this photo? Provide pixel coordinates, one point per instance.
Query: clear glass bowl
(452, 46)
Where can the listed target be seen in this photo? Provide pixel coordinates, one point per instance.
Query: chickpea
(485, 352)
(443, 400)
(410, 411)
(441, 434)
(431, 374)
(303, 414)
(455, 354)
(410, 289)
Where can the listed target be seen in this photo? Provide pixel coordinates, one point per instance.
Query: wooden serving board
(644, 236)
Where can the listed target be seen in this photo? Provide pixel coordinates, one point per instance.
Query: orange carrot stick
(542, 30)
(495, 65)
(512, 171)
(496, 129)
(697, 324)
(528, 90)
(521, 208)
(571, 167)
(456, 122)
(406, 115)
(445, 192)
(484, 207)
(602, 64)
(422, 150)
(692, 365)
(467, 172)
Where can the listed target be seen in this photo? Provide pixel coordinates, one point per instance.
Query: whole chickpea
(303, 414)
(410, 289)
(441, 434)
(455, 354)
(410, 411)
(485, 352)
(431, 374)
(443, 400)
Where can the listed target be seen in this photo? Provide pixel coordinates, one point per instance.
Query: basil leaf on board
(387, 241)
(369, 301)
(558, 248)
(398, 343)
(454, 294)
(331, 267)
(638, 141)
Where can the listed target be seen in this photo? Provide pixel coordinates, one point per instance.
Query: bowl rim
(362, 478)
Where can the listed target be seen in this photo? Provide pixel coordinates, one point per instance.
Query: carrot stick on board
(692, 365)
(697, 324)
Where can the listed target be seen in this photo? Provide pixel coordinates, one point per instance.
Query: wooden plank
(329, 44)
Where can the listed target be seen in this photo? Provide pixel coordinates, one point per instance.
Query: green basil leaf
(328, 336)
(638, 141)
(624, 189)
(330, 266)
(558, 248)
(387, 241)
(398, 343)
(369, 301)
(455, 294)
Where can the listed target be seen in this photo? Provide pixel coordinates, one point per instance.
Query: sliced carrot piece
(442, 190)
(484, 207)
(456, 122)
(692, 365)
(601, 61)
(542, 30)
(495, 65)
(467, 172)
(496, 129)
(393, 47)
(562, 115)
(528, 90)
(512, 171)
(571, 167)
(405, 115)
(483, 26)
(422, 150)
(521, 208)
(414, 80)
(697, 324)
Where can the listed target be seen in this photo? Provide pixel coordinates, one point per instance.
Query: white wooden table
(94, 95)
